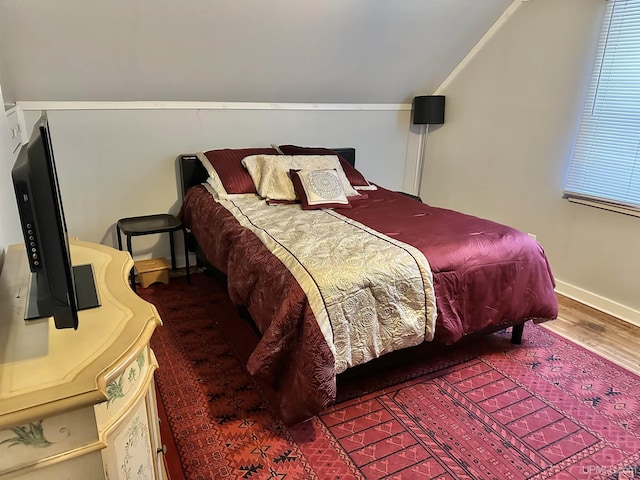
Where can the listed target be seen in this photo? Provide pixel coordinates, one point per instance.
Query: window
(605, 168)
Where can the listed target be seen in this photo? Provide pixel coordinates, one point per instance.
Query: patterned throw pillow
(319, 189)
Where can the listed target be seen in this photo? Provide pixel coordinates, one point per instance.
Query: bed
(332, 288)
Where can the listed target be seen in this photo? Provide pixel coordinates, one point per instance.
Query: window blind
(605, 167)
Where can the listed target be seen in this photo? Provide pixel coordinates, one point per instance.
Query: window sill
(634, 212)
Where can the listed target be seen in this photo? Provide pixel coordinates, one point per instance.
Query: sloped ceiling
(329, 51)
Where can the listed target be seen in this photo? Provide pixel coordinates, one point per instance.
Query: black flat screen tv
(57, 289)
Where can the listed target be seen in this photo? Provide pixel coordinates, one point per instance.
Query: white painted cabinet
(79, 404)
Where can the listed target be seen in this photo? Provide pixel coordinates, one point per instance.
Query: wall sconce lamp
(426, 110)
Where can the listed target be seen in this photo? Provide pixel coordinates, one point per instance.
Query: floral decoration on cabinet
(118, 388)
(30, 434)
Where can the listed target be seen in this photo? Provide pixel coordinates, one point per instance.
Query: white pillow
(270, 173)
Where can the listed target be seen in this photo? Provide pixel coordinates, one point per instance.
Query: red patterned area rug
(483, 410)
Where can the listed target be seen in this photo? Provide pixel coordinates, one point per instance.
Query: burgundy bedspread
(485, 274)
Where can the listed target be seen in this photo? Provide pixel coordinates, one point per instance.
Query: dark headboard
(193, 173)
(348, 153)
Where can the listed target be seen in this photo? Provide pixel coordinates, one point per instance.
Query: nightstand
(147, 225)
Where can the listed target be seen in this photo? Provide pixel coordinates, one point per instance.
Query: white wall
(511, 118)
(9, 228)
(118, 163)
(361, 51)
(332, 51)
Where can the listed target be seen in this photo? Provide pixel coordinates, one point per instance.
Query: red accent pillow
(336, 191)
(227, 162)
(356, 179)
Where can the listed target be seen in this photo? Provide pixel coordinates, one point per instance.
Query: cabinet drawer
(130, 383)
(37, 443)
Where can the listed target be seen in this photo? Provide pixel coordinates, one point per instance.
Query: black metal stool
(148, 224)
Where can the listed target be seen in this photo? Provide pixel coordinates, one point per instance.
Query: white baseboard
(599, 303)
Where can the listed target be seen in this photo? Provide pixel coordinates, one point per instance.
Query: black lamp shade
(428, 109)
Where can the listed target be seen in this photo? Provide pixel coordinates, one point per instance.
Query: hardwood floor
(608, 336)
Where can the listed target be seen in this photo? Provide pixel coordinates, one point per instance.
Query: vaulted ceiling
(329, 51)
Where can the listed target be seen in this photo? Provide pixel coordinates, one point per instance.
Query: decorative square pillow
(319, 189)
(225, 167)
(270, 173)
(356, 179)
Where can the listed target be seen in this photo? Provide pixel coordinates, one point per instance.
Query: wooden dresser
(79, 404)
